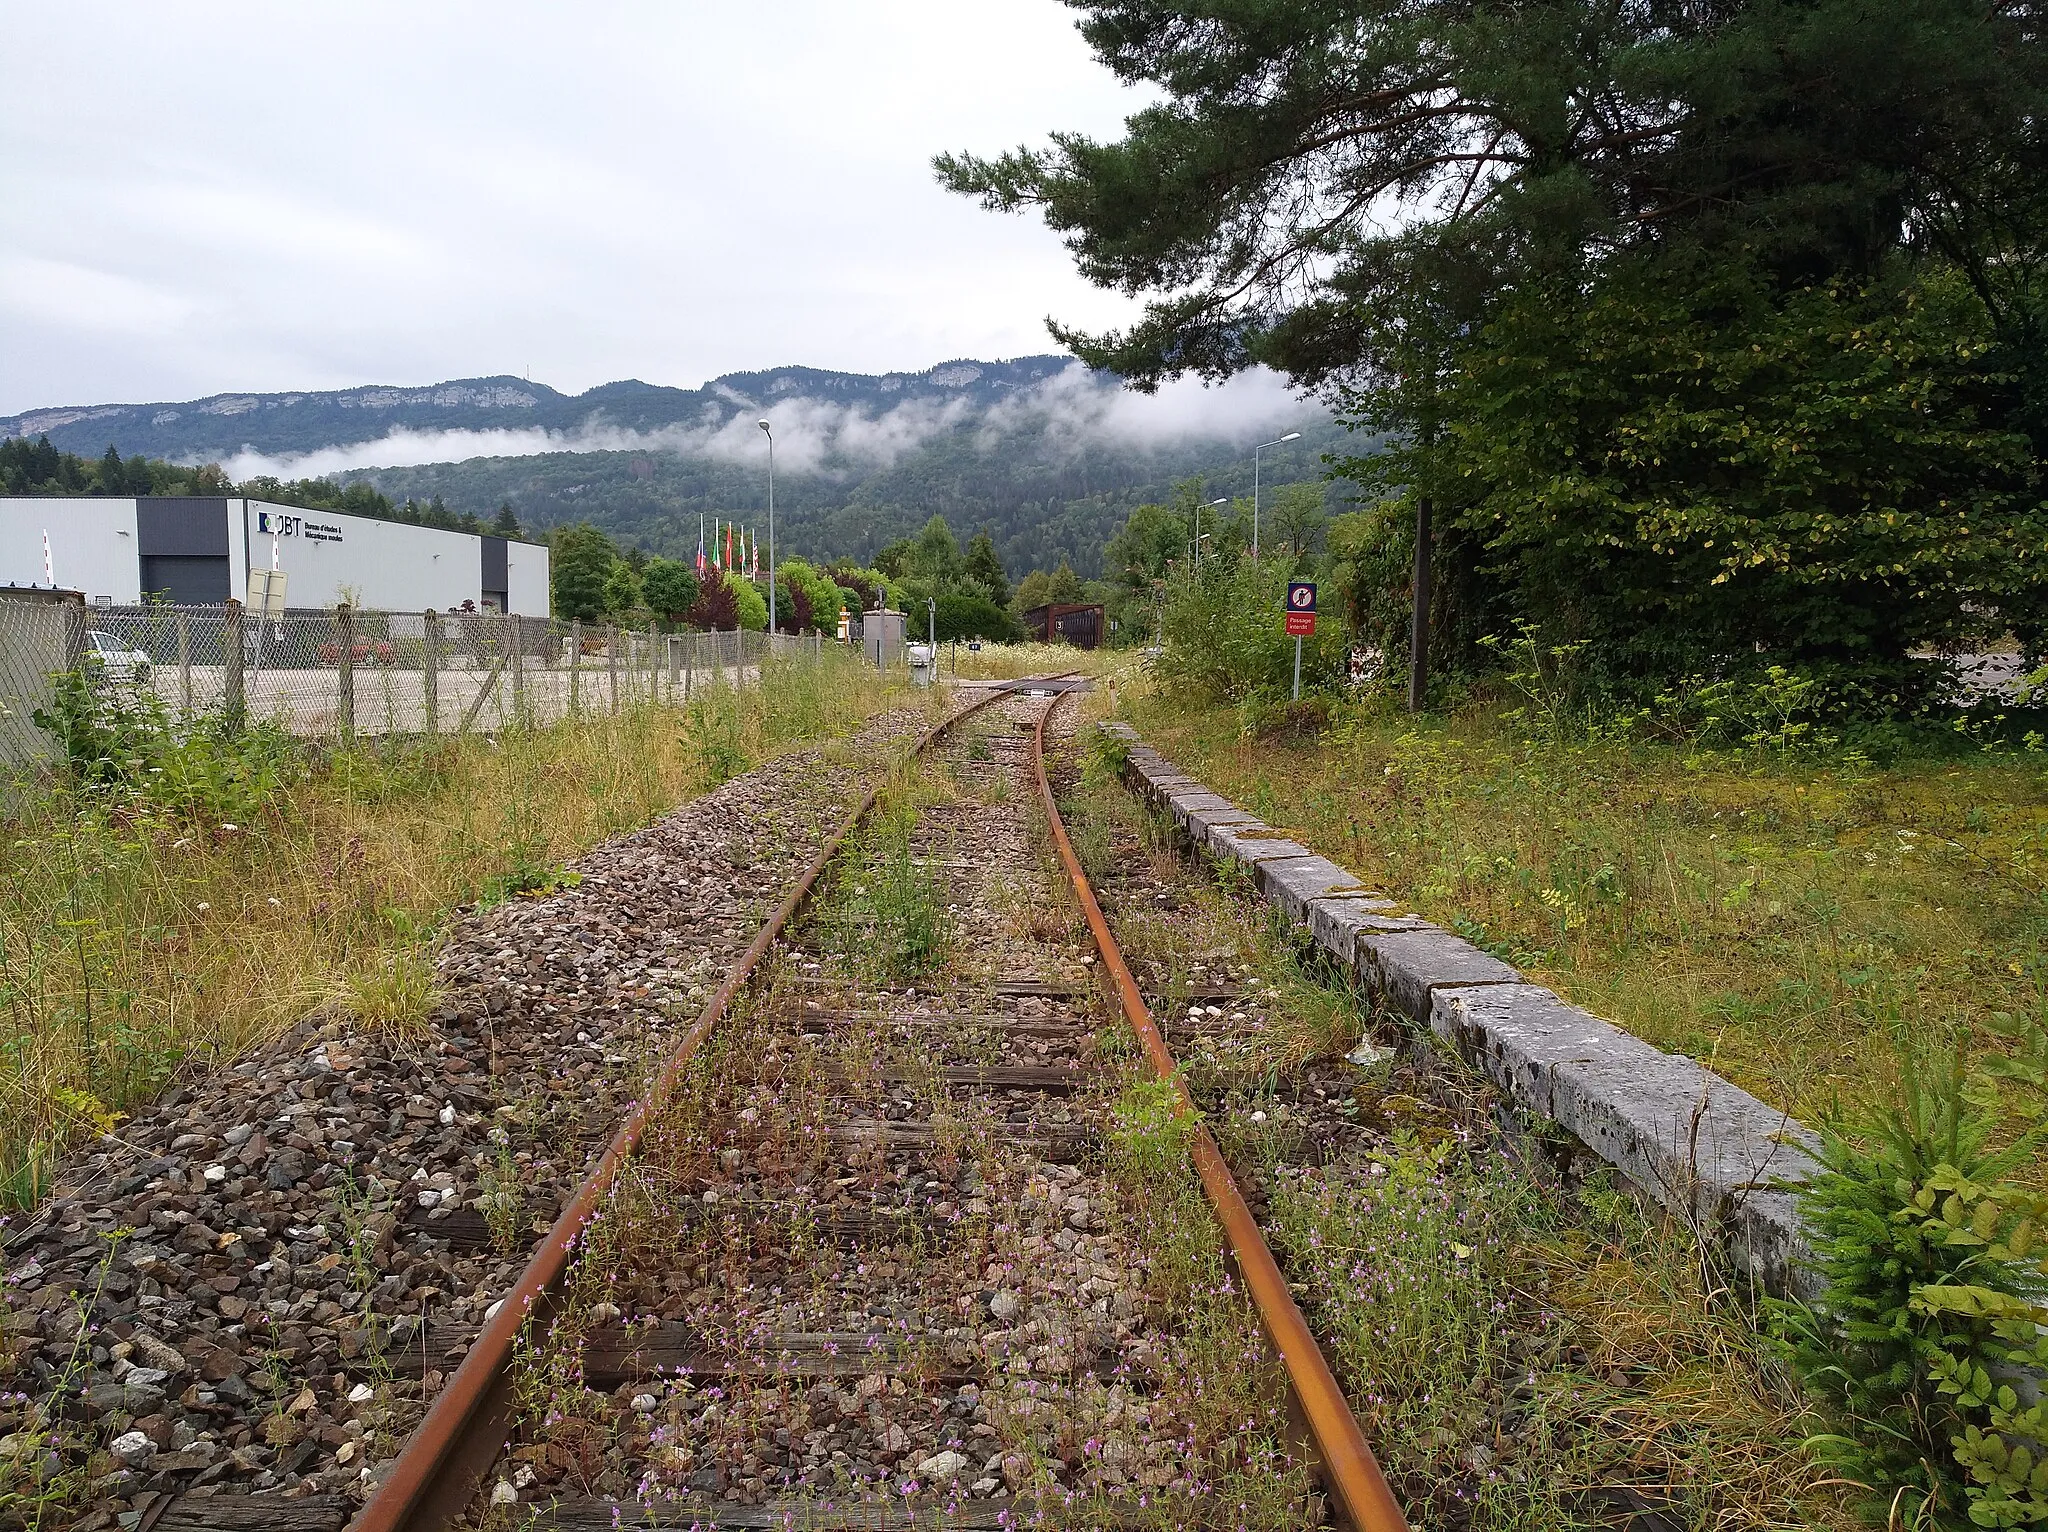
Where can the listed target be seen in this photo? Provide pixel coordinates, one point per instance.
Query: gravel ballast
(278, 1264)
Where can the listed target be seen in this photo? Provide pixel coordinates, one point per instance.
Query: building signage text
(277, 524)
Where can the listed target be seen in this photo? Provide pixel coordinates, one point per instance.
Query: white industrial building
(198, 551)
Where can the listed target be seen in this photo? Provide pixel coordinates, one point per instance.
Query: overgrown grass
(1006, 662)
(888, 915)
(1522, 1352)
(138, 933)
(1795, 921)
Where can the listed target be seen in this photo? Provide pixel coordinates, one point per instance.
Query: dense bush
(1932, 1311)
(123, 743)
(964, 616)
(1223, 638)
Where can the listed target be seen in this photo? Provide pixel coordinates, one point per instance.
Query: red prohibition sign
(1301, 597)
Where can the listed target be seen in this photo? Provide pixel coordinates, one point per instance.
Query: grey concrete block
(1403, 966)
(1705, 1149)
(1297, 882)
(1336, 922)
(1251, 842)
(1202, 824)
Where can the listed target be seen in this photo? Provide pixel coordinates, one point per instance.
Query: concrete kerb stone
(1297, 883)
(1405, 967)
(1711, 1153)
(1703, 1148)
(1337, 920)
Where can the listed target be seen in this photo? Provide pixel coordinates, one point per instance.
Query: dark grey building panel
(496, 584)
(185, 579)
(181, 526)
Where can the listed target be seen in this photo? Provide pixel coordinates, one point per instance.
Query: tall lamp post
(1195, 546)
(771, 532)
(1291, 436)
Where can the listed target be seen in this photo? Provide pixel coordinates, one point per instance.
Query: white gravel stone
(942, 1467)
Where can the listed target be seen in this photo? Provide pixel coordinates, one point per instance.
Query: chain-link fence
(343, 673)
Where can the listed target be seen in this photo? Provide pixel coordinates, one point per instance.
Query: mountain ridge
(297, 421)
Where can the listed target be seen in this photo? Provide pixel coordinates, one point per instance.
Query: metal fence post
(689, 664)
(185, 660)
(513, 637)
(430, 670)
(611, 661)
(575, 661)
(231, 698)
(345, 677)
(653, 666)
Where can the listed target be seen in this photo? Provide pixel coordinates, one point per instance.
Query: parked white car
(116, 661)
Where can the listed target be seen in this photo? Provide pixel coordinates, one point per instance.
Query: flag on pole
(728, 545)
(700, 547)
(757, 556)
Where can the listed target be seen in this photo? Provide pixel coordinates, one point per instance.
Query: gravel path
(253, 1287)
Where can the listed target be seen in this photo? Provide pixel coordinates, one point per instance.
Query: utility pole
(765, 431)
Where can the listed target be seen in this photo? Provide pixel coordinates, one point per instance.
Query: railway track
(865, 1255)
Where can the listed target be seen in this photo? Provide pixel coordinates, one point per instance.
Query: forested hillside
(1046, 456)
(1040, 499)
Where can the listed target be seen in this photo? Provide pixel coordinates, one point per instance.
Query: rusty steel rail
(448, 1455)
(1352, 1473)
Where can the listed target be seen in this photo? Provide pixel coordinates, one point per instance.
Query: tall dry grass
(1008, 662)
(135, 939)
(1796, 922)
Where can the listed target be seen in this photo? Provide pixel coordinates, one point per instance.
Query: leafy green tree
(506, 524)
(936, 553)
(1298, 519)
(1151, 538)
(985, 569)
(1495, 234)
(580, 564)
(622, 594)
(809, 599)
(750, 604)
(670, 589)
(1031, 591)
(1818, 481)
(1223, 640)
(895, 558)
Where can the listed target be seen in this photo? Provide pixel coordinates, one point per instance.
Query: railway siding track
(876, 1260)
(900, 1234)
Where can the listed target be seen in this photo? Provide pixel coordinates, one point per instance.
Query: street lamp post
(771, 532)
(1195, 546)
(1291, 436)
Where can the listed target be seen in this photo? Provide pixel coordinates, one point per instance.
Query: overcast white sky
(211, 197)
